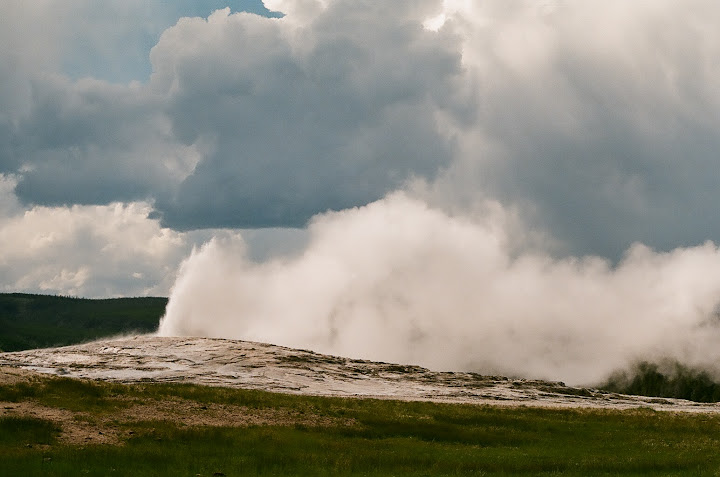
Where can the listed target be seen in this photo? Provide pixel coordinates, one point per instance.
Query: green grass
(40, 321)
(67, 393)
(26, 431)
(366, 437)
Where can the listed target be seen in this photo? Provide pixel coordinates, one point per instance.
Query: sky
(132, 132)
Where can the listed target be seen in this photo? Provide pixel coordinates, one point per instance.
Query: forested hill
(40, 321)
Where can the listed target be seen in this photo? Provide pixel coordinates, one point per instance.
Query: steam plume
(400, 281)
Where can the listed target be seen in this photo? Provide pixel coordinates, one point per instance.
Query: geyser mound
(252, 365)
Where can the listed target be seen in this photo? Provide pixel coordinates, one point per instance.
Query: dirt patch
(191, 413)
(10, 375)
(82, 428)
(75, 428)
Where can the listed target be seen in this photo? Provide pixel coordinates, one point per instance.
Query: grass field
(162, 429)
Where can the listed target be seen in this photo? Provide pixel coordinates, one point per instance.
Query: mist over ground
(400, 281)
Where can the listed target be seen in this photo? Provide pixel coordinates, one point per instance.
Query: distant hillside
(39, 321)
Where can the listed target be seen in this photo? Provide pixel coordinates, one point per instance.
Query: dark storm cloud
(302, 120)
(93, 143)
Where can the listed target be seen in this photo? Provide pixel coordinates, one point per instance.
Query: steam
(400, 281)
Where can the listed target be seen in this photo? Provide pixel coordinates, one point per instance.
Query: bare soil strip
(84, 428)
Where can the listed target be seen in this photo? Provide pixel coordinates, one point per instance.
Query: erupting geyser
(400, 281)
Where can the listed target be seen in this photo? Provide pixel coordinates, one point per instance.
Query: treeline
(39, 321)
(667, 379)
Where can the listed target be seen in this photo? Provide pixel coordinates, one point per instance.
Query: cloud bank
(97, 251)
(595, 119)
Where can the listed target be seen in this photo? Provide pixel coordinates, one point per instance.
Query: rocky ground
(268, 367)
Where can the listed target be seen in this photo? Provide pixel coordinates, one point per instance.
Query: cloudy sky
(133, 130)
